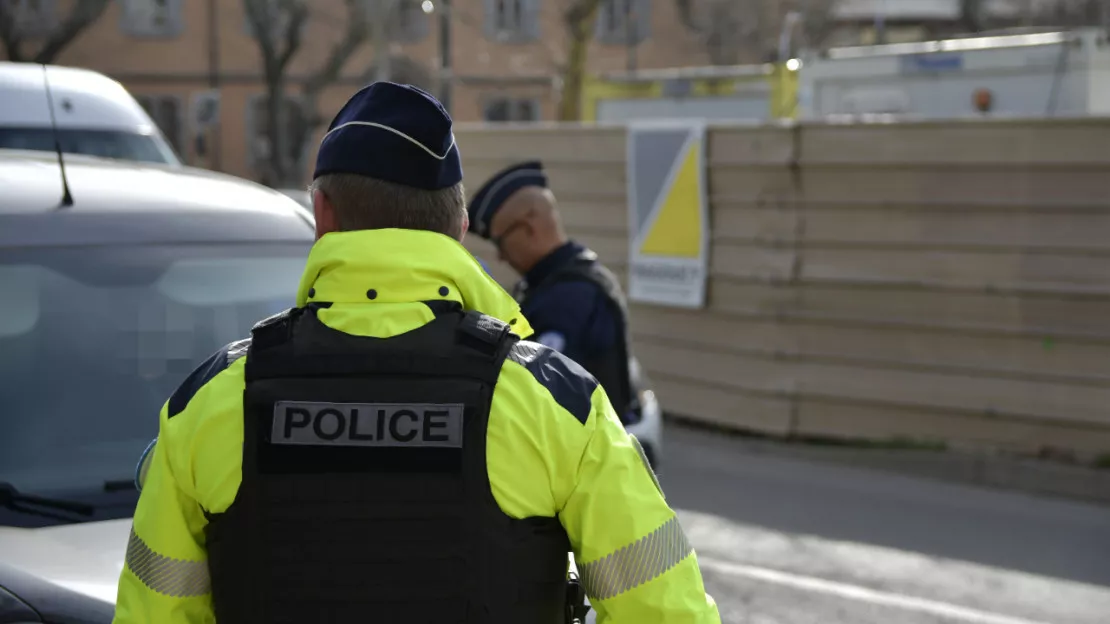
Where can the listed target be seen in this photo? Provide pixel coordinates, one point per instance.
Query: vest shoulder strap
(454, 343)
(485, 329)
(277, 328)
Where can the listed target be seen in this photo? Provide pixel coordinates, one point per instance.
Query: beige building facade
(505, 55)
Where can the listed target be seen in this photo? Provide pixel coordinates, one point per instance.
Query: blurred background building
(213, 73)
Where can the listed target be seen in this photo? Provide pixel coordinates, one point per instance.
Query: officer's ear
(326, 220)
(465, 226)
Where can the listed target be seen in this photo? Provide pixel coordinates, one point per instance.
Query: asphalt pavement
(783, 540)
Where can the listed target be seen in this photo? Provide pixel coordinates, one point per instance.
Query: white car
(108, 303)
(301, 196)
(65, 574)
(93, 115)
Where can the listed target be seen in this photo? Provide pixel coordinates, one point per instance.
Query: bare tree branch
(744, 31)
(82, 14)
(818, 22)
(688, 15)
(295, 12)
(9, 34)
(357, 33)
(277, 26)
(288, 129)
(733, 31)
(259, 15)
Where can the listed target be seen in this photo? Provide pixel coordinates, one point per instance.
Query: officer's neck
(544, 250)
(551, 259)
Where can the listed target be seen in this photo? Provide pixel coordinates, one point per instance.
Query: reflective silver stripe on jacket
(636, 563)
(178, 578)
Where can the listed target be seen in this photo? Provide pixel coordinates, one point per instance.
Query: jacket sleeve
(633, 558)
(165, 572)
(165, 575)
(558, 428)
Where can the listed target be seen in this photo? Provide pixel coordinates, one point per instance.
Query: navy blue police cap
(493, 194)
(392, 132)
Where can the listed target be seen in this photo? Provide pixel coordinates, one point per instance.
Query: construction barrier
(756, 92)
(937, 282)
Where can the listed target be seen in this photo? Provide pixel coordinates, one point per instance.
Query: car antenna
(67, 198)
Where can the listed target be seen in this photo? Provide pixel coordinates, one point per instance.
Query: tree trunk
(579, 23)
(310, 120)
(275, 128)
(15, 54)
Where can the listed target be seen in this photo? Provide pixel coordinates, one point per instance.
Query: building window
(166, 111)
(507, 109)
(624, 22)
(258, 140)
(512, 21)
(33, 18)
(151, 18)
(410, 22)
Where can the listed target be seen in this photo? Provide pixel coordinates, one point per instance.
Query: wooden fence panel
(941, 281)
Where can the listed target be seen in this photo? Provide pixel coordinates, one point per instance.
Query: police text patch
(367, 424)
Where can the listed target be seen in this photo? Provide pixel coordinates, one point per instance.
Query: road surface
(786, 541)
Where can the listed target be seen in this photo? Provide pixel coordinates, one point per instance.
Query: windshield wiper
(119, 485)
(11, 498)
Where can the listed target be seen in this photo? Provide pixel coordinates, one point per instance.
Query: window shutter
(152, 18)
(497, 109)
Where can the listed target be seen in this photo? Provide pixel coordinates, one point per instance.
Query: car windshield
(93, 340)
(116, 144)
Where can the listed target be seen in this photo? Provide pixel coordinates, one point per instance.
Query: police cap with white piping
(493, 194)
(392, 132)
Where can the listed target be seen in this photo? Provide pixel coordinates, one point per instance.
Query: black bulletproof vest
(611, 367)
(330, 525)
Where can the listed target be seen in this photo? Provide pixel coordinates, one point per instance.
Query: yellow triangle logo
(677, 227)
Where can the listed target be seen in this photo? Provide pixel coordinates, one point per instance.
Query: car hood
(86, 558)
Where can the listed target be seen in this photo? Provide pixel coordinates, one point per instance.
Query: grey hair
(363, 203)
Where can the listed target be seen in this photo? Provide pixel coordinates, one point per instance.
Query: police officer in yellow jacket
(385, 453)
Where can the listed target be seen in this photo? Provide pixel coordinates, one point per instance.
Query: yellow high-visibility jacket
(635, 562)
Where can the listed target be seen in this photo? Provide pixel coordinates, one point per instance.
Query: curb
(1033, 476)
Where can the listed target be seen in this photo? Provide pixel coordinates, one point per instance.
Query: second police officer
(573, 302)
(385, 452)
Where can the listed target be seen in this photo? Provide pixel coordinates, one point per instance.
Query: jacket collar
(553, 261)
(403, 267)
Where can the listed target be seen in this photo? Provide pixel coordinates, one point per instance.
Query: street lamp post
(379, 16)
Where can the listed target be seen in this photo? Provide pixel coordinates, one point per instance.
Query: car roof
(116, 202)
(82, 99)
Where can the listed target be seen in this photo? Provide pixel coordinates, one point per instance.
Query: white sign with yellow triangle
(668, 213)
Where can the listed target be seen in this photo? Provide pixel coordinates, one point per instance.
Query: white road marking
(862, 594)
